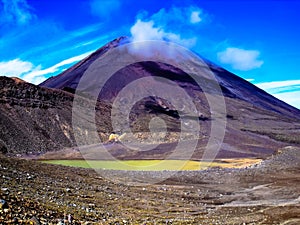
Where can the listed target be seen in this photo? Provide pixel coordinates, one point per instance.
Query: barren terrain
(42, 123)
(267, 193)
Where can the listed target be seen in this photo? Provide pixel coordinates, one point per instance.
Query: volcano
(256, 123)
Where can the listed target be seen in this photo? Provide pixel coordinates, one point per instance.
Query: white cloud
(103, 8)
(16, 11)
(195, 17)
(142, 31)
(277, 86)
(15, 68)
(145, 31)
(178, 17)
(292, 98)
(250, 79)
(168, 25)
(240, 59)
(287, 91)
(35, 74)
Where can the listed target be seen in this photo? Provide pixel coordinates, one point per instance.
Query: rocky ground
(36, 193)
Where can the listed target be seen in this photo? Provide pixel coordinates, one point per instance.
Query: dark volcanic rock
(34, 119)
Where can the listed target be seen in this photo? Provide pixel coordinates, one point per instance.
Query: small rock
(6, 210)
(61, 222)
(43, 219)
(34, 221)
(3, 204)
(70, 218)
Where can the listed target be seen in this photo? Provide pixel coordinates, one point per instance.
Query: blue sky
(257, 40)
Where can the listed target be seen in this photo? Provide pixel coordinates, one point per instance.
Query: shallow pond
(154, 165)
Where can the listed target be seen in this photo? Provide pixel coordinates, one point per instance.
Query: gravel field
(36, 193)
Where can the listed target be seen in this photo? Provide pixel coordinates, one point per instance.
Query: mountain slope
(257, 123)
(232, 85)
(34, 119)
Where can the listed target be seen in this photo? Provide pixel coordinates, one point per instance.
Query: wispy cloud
(279, 86)
(104, 8)
(177, 17)
(292, 98)
(15, 68)
(287, 91)
(16, 12)
(68, 38)
(35, 74)
(91, 41)
(32, 48)
(240, 59)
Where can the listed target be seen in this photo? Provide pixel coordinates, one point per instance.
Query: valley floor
(40, 193)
